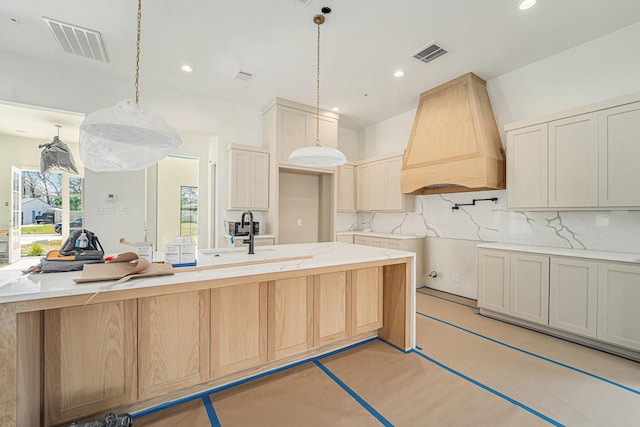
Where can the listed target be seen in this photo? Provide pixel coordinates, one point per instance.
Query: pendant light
(317, 156)
(57, 155)
(123, 137)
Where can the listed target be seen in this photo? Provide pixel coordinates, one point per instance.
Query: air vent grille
(243, 75)
(77, 40)
(429, 53)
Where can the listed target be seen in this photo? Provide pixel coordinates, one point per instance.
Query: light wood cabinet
(238, 328)
(290, 324)
(173, 342)
(366, 297)
(573, 162)
(529, 292)
(415, 245)
(494, 280)
(90, 359)
(618, 301)
(346, 189)
(363, 202)
(248, 178)
(619, 155)
(332, 307)
(238, 242)
(378, 186)
(289, 125)
(344, 238)
(573, 291)
(527, 167)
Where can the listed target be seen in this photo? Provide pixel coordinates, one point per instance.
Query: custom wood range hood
(454, 144)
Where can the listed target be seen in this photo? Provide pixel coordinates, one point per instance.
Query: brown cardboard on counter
(125, 266)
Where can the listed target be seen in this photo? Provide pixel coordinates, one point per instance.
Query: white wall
(601, 69)
(33, 82)
(348, 143)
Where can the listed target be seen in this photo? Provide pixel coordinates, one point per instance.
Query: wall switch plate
(103, 210)
(299, 221)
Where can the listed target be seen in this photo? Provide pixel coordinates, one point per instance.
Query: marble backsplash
(488, 221)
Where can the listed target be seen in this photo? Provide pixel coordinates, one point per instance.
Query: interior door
(14, 219)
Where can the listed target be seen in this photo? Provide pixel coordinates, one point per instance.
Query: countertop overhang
(17, 287)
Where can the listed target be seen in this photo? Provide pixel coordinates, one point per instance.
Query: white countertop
(574, 253)
(255, 236)
(14, 286)
(373, 234)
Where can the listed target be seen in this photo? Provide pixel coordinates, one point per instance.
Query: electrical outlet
(299, 221)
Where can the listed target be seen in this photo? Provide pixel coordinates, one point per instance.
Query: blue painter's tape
(243, 381)
(489, 389)
(353, 394)
(450, 293)
(448, 300)
(395, 346)
(546, 359)
(558, 338)
(211, 412)
(419, 348)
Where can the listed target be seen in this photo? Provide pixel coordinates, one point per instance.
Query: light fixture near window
(318, 156)
(123, 137)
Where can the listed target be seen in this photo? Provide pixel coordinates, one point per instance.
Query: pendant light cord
(138, 50)
(318, 90)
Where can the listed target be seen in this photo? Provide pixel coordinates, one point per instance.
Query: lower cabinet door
(494, 280)
(332, 307)
(573, 295)
(529, 292)
(618, 301)
(290, 330)
(173, 342)
(366, 297)
(238, 328)
(90, 359)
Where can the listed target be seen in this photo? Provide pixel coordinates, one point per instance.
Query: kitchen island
(78, 350)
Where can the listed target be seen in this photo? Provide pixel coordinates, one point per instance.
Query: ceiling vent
(77, 40)
(243, 75)
(429, 53)
(303, 2)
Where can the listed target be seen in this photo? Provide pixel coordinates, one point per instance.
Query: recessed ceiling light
(398, 73)
(187, 69)
(526, 4)
(336, 109)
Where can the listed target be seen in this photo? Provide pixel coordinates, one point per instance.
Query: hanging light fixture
(57, 155)
(123, 137)
(317, 156)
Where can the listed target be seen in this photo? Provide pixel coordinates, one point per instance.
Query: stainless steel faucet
(250, 240)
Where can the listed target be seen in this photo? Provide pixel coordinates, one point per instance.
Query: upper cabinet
(378, 186)
(248, 178)
(619, 144)
(289, 126)
(581, 161)
(346, 188)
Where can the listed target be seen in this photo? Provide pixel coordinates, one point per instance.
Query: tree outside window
(188, 211)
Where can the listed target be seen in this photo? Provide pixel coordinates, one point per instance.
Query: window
(188, 211)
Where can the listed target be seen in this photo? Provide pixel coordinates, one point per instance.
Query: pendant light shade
(317, 156)
(125, 138)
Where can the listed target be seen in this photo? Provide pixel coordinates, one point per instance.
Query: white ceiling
(363, 43)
